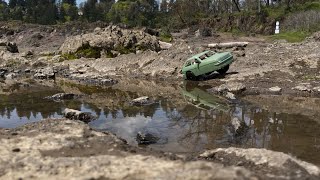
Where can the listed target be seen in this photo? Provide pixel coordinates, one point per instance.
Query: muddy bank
(60, 148)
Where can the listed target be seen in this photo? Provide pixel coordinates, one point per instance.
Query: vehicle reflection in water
(191, 122)
(205, 121)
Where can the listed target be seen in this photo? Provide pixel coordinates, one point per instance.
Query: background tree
(68, 10)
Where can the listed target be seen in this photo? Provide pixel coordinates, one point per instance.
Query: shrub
(304, 21)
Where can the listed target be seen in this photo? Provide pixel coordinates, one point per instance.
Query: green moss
(68, 56)
(85, 51)
(292, 37)
(165, 37)
(125, 50)
(88, 51)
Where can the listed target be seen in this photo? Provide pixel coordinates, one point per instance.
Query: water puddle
(183, 120)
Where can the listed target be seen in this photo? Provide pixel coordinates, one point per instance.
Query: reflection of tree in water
(31, 103)
(248, 126)
(71, 104)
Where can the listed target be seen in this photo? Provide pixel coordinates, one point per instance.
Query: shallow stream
(185, 120)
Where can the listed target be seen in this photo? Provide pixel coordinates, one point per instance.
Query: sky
(78, 1)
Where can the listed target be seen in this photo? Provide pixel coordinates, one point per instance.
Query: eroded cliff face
(65, 149)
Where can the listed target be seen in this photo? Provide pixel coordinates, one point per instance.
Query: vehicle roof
(198, 55)
(216, 55)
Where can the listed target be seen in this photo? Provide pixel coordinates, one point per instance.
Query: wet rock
(236, 87)
(78, 115)
(233, 87)
(145, 100)
(275, 89)
(44, 73)
(62, 96)
(146, 138)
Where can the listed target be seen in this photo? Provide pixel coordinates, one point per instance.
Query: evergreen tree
(68, 11)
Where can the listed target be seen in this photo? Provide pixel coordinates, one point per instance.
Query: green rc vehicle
(205, 63)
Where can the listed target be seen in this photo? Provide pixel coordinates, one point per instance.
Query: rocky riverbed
(127, 64)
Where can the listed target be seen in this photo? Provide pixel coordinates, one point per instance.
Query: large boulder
(111, 38)
(267, 164)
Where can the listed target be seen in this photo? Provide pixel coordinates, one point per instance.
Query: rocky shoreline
(66, 149)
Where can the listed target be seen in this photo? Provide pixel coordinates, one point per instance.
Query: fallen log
(228, 45)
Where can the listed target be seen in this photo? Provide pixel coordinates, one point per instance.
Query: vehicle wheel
(191, 76)
(223, 70)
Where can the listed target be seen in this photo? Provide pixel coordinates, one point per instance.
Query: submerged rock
(78, 115)
(146, 138)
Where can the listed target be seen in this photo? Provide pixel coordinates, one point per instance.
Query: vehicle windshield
(190, 62)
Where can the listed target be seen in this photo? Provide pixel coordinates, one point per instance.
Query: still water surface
(191, 122)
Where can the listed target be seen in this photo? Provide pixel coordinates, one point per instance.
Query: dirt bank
(64, 149)
(263, 64)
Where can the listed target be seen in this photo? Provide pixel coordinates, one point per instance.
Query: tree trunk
(237, 5)
(228, 45)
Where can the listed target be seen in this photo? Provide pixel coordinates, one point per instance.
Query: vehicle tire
(223, 70)
(191, 76)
